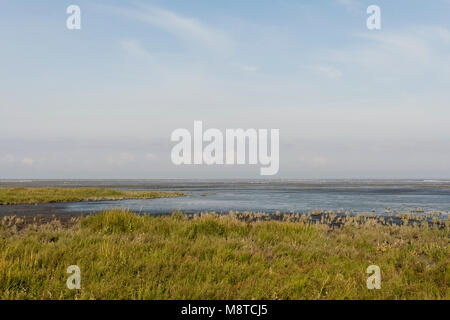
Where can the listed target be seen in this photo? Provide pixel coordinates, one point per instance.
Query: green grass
(126, 256)
(48, 195)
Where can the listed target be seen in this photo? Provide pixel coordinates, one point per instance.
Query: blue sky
(101, 102)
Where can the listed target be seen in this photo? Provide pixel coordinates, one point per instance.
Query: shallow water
(267, 196)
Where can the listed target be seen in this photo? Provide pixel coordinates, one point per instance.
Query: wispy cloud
(7, 159)
(313, 161)
(329, 72)
(135, 49)
(27, 161)
(412, 44)
(245, 67)
(151, 156)
(12, 160)
(121, 159)
(404, 54)
(187, 29)
(350, 5)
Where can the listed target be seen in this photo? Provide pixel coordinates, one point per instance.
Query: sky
(102, 101)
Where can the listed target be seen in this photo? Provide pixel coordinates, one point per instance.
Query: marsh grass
(123, 255)
(21, 195)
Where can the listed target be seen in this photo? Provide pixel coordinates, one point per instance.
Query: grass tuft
(113, 221)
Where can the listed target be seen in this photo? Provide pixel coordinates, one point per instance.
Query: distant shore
(186, 183)
(22, 195)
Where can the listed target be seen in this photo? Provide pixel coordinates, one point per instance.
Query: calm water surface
(268, 196)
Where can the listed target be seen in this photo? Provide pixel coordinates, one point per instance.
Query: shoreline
(330, 218)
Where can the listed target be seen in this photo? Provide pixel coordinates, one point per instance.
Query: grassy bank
(48, 195)
(125, 256)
